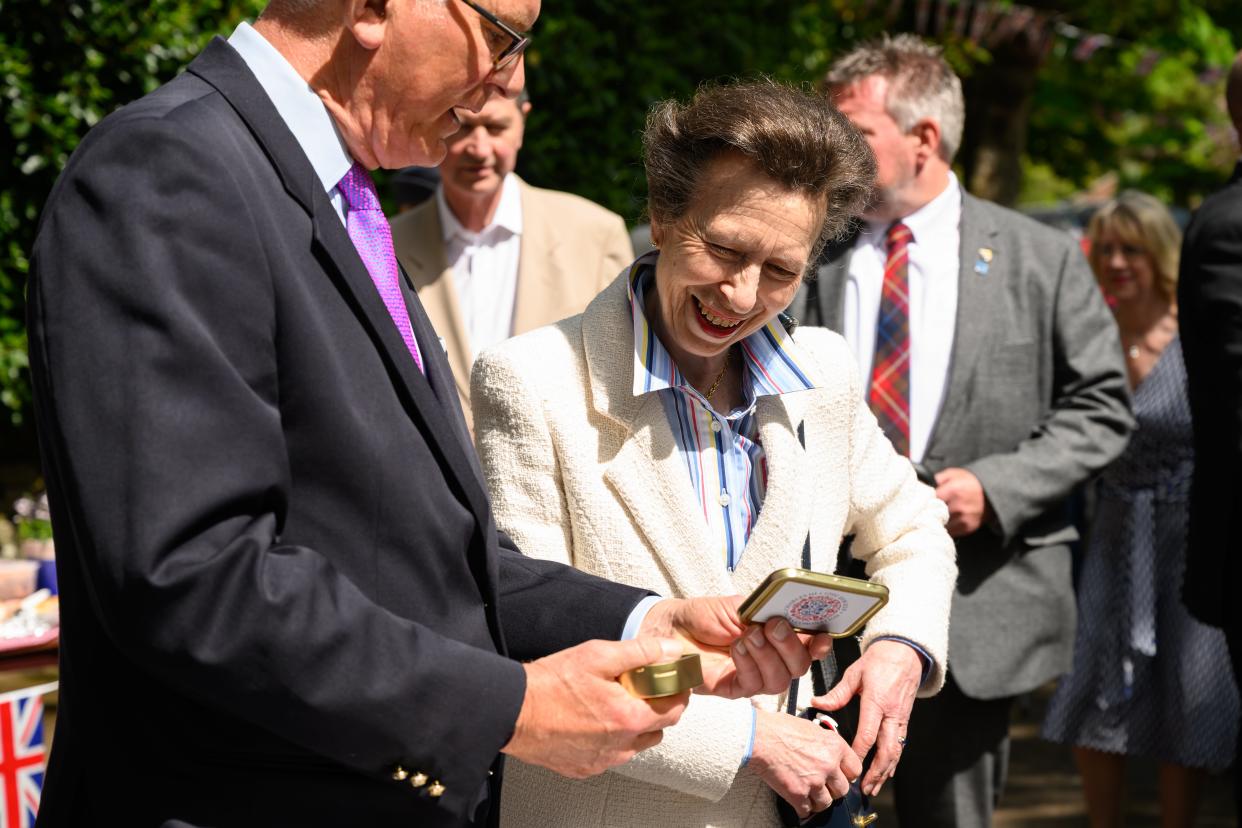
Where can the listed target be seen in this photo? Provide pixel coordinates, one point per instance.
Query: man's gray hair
(921, 84)
(292, 7)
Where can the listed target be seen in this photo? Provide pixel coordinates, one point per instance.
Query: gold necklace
(719, 377)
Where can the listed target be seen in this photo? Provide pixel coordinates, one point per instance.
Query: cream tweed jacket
(582, 471)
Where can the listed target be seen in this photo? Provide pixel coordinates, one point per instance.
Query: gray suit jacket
(1036, 403)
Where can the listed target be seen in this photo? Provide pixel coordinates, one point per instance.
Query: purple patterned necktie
(369, 231)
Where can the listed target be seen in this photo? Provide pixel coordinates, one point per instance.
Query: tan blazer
(582, 471)
(571, 249)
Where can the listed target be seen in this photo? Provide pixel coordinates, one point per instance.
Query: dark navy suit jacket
(1209, 292)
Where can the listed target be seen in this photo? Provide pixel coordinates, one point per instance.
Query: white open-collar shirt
(485, 266)
(932, 276)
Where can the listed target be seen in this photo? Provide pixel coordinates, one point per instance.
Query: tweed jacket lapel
(982, 271)
(785, 519)
(647, 474)
(650, 479)
(422, 253)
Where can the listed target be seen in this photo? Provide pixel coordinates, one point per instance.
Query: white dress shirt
(932, 276)
(485, 266)
(299, 107)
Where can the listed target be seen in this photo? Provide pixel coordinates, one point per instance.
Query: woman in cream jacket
(675, 436)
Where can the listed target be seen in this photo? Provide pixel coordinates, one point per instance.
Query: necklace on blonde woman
(719, 377)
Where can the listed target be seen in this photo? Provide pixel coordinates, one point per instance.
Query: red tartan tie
(890, 368)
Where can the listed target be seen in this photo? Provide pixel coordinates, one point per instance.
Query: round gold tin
(658, 680)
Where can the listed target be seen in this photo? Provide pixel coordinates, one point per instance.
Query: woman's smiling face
(1123, 266)
(734, 260)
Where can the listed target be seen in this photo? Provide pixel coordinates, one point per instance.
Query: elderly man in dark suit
(285, 601)
(994, 364)
(1209, 298)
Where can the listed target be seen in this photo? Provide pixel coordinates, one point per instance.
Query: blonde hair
(1144, 222)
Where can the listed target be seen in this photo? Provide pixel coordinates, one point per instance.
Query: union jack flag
(21, 755)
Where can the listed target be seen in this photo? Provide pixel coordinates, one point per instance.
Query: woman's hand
(887, 679)
(738, 659)
(806, 764)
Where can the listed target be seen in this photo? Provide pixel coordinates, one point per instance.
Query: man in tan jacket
(492, 256)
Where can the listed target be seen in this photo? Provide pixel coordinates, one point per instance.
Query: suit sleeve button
(436, 789)
(418, 780)
(400, 774)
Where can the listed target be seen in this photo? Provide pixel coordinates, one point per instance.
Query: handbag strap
(823, 671)
(823, 675)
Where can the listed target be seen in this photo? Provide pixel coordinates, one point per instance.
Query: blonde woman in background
(1148, 679)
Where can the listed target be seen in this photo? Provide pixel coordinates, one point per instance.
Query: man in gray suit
(992, 362)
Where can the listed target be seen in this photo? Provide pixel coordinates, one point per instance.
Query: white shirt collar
(300, 108)
(508, 213)
(925, 220)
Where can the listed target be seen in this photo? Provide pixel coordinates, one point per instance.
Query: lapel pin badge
(983, 260)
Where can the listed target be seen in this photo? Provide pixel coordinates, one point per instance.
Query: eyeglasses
(517, 42)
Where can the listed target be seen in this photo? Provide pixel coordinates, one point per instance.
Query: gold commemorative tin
(655, 681)
(813, 602)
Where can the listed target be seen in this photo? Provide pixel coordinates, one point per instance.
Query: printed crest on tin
(815, 609)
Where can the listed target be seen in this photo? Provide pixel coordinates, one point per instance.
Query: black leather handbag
(851, 811)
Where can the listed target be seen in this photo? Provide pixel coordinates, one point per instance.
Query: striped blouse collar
(774, 364)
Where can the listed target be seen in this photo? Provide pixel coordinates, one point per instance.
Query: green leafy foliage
(597, 66)
(63, 67)
(1157, 123)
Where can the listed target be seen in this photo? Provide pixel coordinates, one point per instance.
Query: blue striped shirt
(722, 452)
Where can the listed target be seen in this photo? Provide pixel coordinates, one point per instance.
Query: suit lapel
(819, 301)
(648, 474)
(832, 277)
(435, 416)
(440, 378)
(785, 518)
(221, 67)
(539, 271)
(421, 251)
(439, 374)
(650, 478)
(978, 294)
